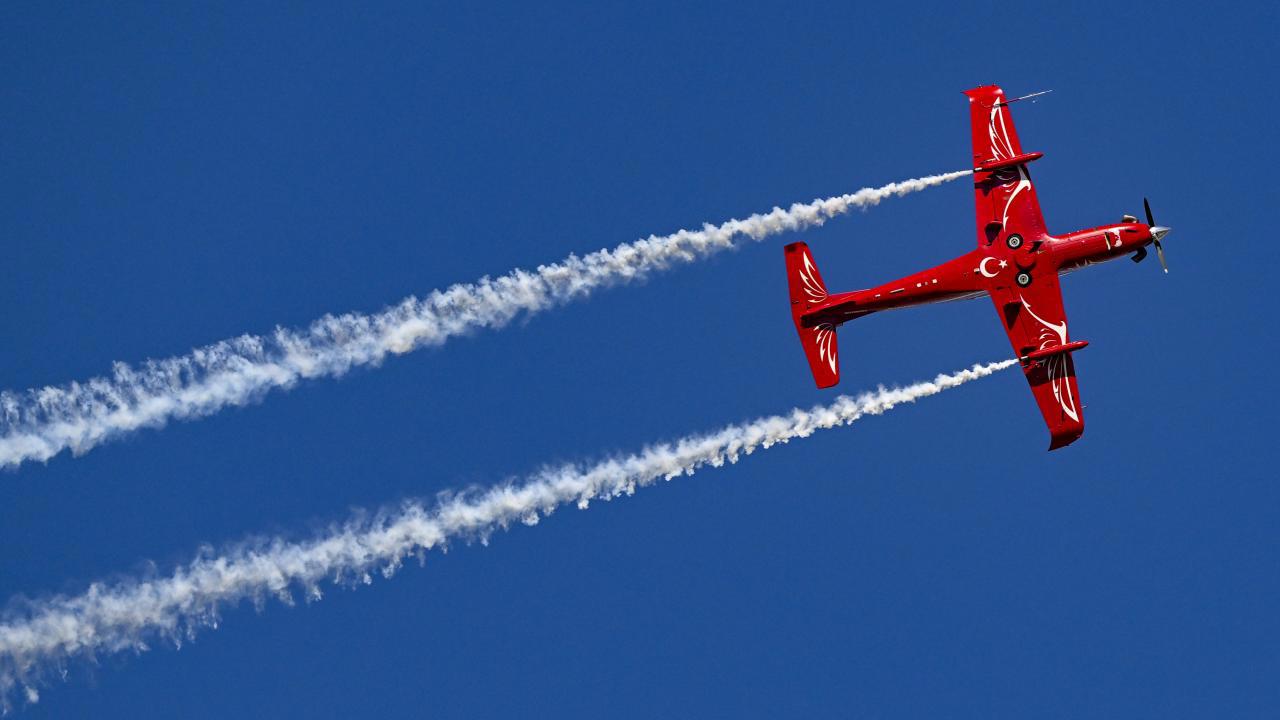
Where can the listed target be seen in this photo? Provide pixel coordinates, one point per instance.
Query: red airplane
(1017, 263)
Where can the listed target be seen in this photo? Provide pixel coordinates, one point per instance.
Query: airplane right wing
(1036, 323)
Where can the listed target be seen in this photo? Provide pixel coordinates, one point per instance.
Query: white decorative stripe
(1061, 382)
(1002, 149)
(1059, 329)
(1056, 366)
(826, 340)
(808, 277)
(1001, 145)
(1024, 183)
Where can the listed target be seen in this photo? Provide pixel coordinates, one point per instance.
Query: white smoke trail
(123, 616)
(39, 423)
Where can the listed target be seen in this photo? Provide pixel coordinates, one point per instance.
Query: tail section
(807, 290)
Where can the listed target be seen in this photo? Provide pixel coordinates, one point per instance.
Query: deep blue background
(174, 177)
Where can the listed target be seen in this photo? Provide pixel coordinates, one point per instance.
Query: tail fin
(807, 290)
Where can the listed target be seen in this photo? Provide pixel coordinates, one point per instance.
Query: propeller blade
(1160, 254)
(1147, 206)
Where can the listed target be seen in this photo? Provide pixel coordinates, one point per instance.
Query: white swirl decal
(812, 286)
(826, 339)
(1056, 366)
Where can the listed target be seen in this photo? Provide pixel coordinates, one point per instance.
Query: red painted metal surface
(1017, 263)
(1055, 350)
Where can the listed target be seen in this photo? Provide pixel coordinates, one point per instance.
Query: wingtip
(1062, 440)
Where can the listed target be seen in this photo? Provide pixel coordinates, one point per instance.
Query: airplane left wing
(1036, 324)
(1004, 196)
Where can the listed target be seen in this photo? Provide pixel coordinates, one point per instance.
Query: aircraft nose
(1158, 232)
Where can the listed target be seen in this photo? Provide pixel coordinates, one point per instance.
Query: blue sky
(174, 177)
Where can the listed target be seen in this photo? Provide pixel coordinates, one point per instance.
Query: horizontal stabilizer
(820, 348)
(807, 290)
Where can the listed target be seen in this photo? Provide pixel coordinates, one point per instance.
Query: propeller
(1157, 234)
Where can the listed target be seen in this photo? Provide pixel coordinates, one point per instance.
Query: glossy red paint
(997, 163)
(1017, 263)
(1056, 350)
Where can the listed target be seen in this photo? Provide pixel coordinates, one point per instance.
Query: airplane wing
(1003, 193)
(1036, 322)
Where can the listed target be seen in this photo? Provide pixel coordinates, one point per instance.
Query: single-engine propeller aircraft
(1017, 263)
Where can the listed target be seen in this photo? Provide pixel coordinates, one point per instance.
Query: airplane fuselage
(975, 273)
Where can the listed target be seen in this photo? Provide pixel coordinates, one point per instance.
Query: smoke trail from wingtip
(126, 616)
(39, 423)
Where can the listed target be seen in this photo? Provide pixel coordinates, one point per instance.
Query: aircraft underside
(1016, 262)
